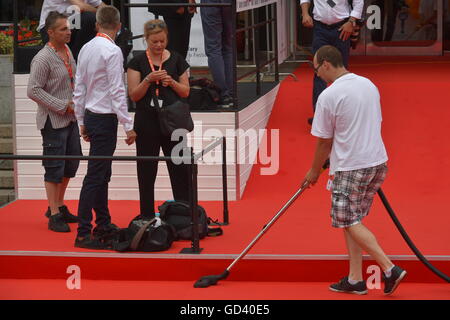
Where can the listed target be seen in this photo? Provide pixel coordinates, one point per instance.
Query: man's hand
(311, 178)
(346, 30)
(131, 137)
(192, 10)
(70, 108)
(307, 21)
(83, 133)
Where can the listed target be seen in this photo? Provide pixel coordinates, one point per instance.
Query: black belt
(102, 115)
(331, 26)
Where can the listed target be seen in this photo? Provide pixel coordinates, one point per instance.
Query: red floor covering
(226, 290)
(416, 113)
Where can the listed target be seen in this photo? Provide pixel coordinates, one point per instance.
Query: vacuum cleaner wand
(207, 281)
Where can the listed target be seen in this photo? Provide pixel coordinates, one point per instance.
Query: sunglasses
(161, 25)
(317, 69)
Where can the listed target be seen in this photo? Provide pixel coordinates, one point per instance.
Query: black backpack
(178, 215)
(142, 235)
(204, 94)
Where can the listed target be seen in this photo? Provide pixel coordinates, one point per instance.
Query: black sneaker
(100, 231)
(67, 215)
(106, 234)
(226, 102)
(89, 242)
(56, 223)
(391, 283)
(344, 286)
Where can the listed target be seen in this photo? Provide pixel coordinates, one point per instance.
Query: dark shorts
(353, 193)
(64, 141)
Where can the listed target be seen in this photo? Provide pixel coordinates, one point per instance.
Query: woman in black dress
(158, 74)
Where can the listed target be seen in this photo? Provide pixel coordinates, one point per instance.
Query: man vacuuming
(347, 124)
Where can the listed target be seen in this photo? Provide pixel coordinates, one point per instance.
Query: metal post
(226, 220)
(193, 203)
(275, 41)
(233, 41)
(16, 34)
(257, 49)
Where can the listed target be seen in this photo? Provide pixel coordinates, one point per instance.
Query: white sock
(388, 271)
(352, 282)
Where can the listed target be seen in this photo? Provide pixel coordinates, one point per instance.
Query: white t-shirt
(62, 6)
(349, 111)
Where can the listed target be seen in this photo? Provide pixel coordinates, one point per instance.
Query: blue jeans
(325, 36)
(217, 30)
(102, 132)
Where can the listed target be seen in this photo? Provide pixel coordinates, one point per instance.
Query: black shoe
(310, 121)
(106, 234)
(391, 283)
(226, 102)
(67, 216)
(100, 231)
(344, 286)
(89, 242)
(56, 223)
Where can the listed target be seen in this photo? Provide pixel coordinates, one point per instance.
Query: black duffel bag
(178, 214)
(142, 235)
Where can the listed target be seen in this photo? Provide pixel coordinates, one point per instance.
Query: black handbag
(174, 116)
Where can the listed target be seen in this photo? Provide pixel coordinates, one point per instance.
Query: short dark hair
(330, 54)
(108, 17)
(51, 19)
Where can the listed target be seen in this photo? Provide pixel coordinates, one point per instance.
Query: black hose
(408, 240)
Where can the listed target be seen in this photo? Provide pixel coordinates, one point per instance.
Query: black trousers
(148, 144)
(179, 33)
(102, 132)
(80, 36)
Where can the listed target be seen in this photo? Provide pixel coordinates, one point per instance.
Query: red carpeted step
(226, 290)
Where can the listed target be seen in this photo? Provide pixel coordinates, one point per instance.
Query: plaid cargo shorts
(353, 193)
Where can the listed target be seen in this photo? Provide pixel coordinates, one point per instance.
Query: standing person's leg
(102, 133)
(355, 254)
(320, 38)
(212, 30)
(227, 48)
(147, 145)
(108, 140)
(179, 33)
(53, 144)
(365, 239)
(179, 173)
(342, 46)
(73, 148)
(83, 35)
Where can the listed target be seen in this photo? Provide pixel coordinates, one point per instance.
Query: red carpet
(416, 113)
(183, 290)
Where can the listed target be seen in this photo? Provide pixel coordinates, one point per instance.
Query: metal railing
(191, 160)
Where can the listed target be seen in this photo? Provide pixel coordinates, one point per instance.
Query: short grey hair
(108, 17)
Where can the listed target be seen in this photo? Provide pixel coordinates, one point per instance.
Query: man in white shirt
(347, 124)
(79, 11)
(333, 23)
(100, 103)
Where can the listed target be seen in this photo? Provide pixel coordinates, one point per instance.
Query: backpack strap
(138, 236)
